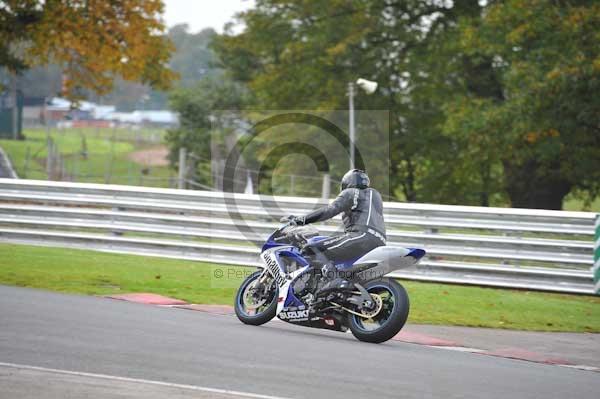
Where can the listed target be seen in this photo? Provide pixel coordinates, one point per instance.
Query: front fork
(261, 285)
(263, 276)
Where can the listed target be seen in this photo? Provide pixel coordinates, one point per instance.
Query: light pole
(369, 87)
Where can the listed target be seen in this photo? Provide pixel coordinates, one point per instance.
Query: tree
(93, 41)
(302, 54)
(491, 102)
(204, 128)
(546, 122)
(192, 59)
(16, 18)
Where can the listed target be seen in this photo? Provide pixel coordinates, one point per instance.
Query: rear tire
(397, 313)
(263, 315)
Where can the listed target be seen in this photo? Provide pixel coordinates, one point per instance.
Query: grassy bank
(96, 273)
(105, 160)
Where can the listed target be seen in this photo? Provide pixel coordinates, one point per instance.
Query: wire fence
(93, 155)
(138, 157)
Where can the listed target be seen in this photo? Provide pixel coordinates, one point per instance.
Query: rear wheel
(256, 301)
(389, 320)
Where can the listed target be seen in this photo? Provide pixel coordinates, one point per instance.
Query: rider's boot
(335, 285)
(333, 281)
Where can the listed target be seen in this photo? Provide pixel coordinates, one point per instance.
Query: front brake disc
(252, 300)
(249, 299)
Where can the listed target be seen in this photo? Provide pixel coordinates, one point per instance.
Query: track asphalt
(78, 346)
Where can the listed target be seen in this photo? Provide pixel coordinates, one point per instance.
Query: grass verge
(97, 273)
(105, 161)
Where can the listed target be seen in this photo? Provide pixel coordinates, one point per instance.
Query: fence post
(596, 268)
(49, 155)
(325, 191)
(182, 168)
(59, 166)
(110, 160)
(26, 162)
(15, 106)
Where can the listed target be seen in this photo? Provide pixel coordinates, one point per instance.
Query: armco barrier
(596, 268)
(518, 248)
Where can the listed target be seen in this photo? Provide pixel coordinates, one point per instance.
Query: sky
(200, 14)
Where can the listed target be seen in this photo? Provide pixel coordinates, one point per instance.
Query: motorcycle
(372, 306)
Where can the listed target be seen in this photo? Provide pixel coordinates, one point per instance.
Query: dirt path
(154, 156)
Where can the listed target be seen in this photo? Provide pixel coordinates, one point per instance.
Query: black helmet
(355, 178)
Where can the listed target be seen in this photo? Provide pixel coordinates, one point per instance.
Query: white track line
(143, 381)
(458, 348)
(475, 350)
(580, 367)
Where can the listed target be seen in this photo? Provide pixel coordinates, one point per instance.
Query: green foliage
(16, 18)
(300, 55)
(489, 103)
(547, 58)
(193, 58)
(204, 113)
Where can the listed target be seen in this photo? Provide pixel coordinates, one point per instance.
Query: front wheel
(256, 300)
(389, 320)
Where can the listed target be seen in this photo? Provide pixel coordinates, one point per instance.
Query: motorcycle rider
(364, 228)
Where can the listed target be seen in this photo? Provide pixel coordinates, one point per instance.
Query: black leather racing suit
(364, 228)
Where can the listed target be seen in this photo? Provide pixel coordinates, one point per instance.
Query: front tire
(263, 312)
(392, 317)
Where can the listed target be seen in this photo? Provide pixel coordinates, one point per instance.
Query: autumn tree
(93, 41)
(192, 60)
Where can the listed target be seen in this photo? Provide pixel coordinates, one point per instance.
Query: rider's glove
(297, 220)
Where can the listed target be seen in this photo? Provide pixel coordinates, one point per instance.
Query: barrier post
(182, 168)
(596, 268)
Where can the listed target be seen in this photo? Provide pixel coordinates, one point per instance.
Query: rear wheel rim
(384, 316)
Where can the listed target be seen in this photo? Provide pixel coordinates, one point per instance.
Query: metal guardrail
(596, 267)
(518, 248)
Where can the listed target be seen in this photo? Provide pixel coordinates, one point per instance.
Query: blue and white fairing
(386, 258)
(272, 252)
(271, 258)
(391, 258)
